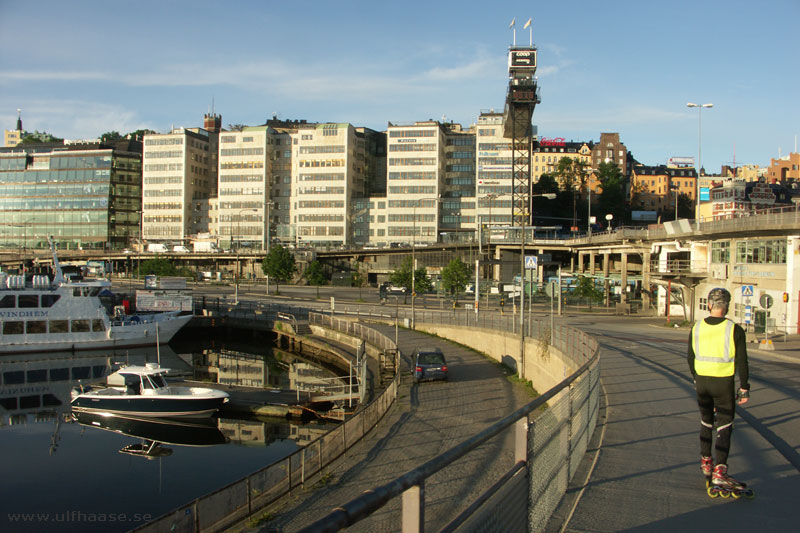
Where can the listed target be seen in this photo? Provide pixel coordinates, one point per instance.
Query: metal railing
(238, 500)
(548, 449)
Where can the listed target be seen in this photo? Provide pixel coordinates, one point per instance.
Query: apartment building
(656, 188)
(13, 137)
(86, 195)
(783, 168)
(179, 178)
(610, 150)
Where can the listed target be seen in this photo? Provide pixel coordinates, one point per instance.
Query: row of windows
(236, 178)
(163, 141)
(229, 152)
(324, 176)
(241, 164)
(320, 231)
(332, 149)
(412, 133)
(412, 161)
(461, 141)
(460, 168)
(163, 180)
(241, 204)
(495, 161)
(40, 375)
(320, 190)
(21, 327)
(163, 232)
(242, 191)
(50, 176)
(11, 301)
(320, 218)
(315, 163)
(408, 231)
(410, 204)
(320, 204)
(161, 206)
(55, 189)
(421, 175)
(61, 203)
(412, 147)
(494, 146)
(161, 193)
(163, 154)
(769, 252)
(461, 155)
(166, 219)
(409, 217)
(163, 167)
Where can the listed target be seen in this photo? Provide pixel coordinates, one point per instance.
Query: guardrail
(548, 450)
(238, 500)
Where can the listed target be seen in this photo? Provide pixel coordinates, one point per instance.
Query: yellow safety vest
(714, 349)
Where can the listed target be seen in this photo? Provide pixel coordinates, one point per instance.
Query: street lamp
(549, 196)
(699, 150)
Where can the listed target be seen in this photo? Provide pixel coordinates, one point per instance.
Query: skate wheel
(725, 494)
(711, 492)
(750, 494)
(736, 495)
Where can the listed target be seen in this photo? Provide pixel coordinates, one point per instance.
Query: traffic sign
(531, 262)
(765, 301)
(747, 290)
(748, 314)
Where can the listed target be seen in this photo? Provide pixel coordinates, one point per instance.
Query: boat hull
(150, 407)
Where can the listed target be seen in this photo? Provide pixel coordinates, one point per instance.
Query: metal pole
(413, 262)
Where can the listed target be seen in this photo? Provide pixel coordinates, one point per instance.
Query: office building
(179, 177)
(86, 195)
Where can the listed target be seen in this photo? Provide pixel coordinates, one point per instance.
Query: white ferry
(44, 315)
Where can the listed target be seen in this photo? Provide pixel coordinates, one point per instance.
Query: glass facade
(83, 199)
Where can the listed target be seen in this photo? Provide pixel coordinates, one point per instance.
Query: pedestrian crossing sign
(531, 262)
(747, 290)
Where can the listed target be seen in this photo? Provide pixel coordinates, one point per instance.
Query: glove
(742, 396)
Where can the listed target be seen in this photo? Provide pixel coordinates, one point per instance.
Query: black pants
(717, 399)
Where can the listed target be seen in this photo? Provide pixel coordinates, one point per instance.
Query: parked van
(158, 248)
(181, 249)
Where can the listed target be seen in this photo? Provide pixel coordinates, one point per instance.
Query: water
(61, 475)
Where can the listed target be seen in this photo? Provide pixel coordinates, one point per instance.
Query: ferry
(142, 391)
(44, 314)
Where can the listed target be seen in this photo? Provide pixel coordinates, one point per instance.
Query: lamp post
(549, 196)
(699, 150)
(436, 199)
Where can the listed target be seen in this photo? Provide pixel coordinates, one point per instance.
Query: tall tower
(13, 137)
(522, 97)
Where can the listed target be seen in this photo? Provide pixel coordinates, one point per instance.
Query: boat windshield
(158, 381)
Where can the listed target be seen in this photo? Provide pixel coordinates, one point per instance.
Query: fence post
(249, 501)
(413, 510)
(521, 440)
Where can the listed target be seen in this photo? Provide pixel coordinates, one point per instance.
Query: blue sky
(78, 69)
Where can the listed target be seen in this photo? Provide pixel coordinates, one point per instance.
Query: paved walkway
(647, 476)
(426, 420)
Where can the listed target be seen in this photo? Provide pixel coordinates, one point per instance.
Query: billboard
(163, 300)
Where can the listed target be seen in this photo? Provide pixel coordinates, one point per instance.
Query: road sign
(531, 262)
(748, 314)
(747, 290)
(765, 301)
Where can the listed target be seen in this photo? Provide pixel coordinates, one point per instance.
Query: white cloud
(78, 119)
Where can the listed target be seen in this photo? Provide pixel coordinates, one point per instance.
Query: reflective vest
(714, 349)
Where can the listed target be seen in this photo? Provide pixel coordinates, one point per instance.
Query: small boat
(143, 391)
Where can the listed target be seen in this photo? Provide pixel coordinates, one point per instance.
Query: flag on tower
(512, 22)
(525, 27)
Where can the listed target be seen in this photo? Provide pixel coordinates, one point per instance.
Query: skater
(717, 351)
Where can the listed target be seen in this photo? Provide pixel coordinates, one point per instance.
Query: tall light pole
(699, 150)
(549, 196)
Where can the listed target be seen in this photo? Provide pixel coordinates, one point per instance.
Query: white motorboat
(142, 391)
(41, 314)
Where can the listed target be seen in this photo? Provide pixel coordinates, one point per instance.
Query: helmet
(719, 297)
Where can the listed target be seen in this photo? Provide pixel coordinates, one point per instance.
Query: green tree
(110, 137)
(586, 288)
(38, 137)
(158, 266)
(402, 276)
(685, 206)
(279, 264)
(139, 134)
(315, 275)
(612, 199)
(455, 277)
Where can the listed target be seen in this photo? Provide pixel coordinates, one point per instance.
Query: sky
(79, 69)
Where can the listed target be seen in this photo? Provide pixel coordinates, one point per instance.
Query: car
(429, 365)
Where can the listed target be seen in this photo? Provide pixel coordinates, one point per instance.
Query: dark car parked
(429, 364)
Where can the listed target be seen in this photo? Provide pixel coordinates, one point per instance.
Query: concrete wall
(545, 365)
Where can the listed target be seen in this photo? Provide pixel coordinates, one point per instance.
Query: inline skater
(718, 351)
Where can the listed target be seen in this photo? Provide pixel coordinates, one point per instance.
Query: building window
(721, 252)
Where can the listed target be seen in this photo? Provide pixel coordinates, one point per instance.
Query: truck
(206, 246)
(157, 247)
